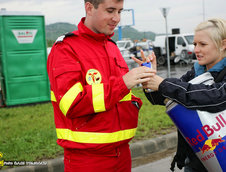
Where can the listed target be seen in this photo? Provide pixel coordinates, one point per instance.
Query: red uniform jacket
(93, 108)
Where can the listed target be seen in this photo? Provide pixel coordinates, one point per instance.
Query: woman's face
(205, 49)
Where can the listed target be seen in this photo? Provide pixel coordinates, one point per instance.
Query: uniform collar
(217, 67)
(85, 31)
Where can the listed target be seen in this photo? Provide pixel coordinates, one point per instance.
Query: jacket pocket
(122, 65)
(81, 122)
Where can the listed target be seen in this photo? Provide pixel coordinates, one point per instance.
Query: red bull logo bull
(211, 144)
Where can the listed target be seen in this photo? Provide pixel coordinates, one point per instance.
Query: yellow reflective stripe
(98, 98)
(53, 98)
(128, 97)
(69, 97)
(92, 137)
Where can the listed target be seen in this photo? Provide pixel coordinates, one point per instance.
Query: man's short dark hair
(96, 2)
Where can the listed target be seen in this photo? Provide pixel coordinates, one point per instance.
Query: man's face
(106, 17)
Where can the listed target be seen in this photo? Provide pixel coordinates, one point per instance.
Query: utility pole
(203, 9)
(165, 12)
(120, 25)
(119, 33)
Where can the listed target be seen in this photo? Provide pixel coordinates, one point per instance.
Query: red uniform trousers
(118, 160)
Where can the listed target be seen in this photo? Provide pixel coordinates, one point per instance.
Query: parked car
(125, 47)
(125, 44)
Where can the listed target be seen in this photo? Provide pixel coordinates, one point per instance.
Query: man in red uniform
(95, 112)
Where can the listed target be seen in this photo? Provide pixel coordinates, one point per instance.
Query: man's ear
(89, 8)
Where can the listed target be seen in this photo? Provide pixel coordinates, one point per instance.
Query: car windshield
(143, 45)
(121, 44)
(190, 39)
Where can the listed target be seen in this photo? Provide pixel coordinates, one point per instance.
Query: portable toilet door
(23, 58)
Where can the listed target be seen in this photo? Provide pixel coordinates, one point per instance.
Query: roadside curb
(138, 149)
(154, 145)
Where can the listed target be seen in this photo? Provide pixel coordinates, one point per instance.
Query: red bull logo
(211, 144)
(209, 130)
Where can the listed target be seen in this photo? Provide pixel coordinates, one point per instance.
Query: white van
(180, 48)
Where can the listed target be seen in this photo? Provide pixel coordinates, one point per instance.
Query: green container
(23, 57)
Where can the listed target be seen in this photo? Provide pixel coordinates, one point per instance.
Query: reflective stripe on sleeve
(92, 137)
(69, 97)
(53, 98)
(98, 98)
(128, 97)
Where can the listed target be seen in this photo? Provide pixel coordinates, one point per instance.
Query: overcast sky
(183, 14)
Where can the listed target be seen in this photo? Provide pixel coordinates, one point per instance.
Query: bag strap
(180, 156)
(221, 75)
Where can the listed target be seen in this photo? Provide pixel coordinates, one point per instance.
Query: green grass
(27, 133)
(153, 119)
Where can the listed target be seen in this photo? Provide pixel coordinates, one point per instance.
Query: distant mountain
(53, 31)
(133, 34)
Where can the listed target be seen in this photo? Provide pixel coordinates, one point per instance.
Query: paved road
(176, 71)
(162, 165)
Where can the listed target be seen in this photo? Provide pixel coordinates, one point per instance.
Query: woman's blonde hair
(217, 30)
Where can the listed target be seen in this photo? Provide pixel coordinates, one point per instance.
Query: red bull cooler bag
(205, 132)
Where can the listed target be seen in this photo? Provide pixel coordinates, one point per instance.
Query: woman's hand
(150, 58)
(153, 83)
(155, 80)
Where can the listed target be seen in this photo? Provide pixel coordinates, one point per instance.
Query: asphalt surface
(162, 165)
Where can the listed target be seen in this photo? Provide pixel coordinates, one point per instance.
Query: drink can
(147, 64)
(205, 133)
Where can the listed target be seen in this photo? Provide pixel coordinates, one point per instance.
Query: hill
(53, 31)
(133, 34)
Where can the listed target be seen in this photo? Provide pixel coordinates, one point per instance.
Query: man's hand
(154, 80)
(137, 76)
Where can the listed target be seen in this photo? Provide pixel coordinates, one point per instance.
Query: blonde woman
(210, 50)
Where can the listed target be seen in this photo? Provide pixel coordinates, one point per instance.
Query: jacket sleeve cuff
(162, 86)
(168, 88)
(122, 86)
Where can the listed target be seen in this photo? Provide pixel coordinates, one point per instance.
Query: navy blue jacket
(193, 96)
